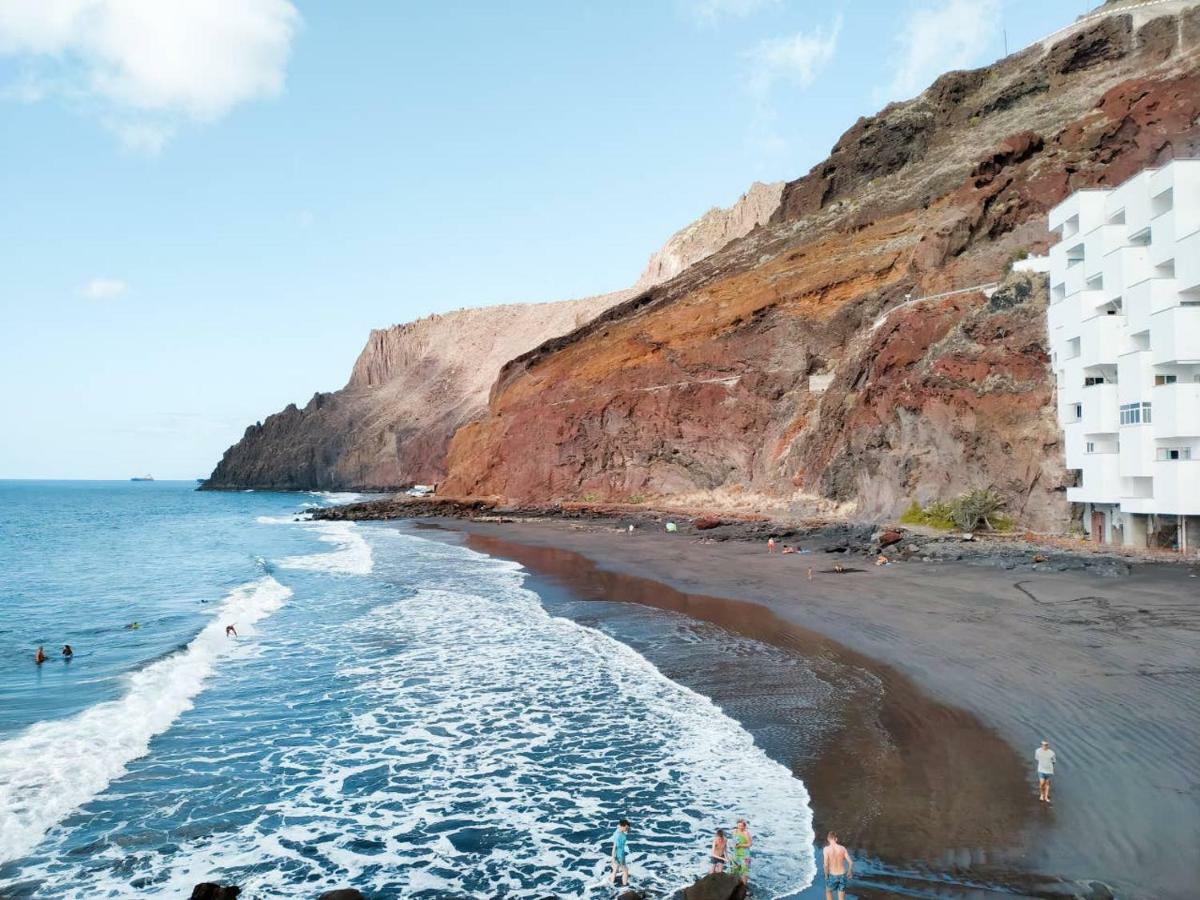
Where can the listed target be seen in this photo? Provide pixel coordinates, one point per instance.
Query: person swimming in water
(67, 652)
(40, 656)
(230, 631)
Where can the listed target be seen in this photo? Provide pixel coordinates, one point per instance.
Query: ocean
(396, 713)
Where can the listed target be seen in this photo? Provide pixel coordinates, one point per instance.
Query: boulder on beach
(343, 894)
(631, 895)
(715, 887)
(209, 891)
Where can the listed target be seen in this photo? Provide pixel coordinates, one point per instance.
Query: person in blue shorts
(839, 867)
(620, 853)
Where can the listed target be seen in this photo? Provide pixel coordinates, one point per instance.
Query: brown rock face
(701, 388)
(411, 387)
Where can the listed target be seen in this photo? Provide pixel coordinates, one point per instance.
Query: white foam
(54, 767)
(352, 557)
(284, 520)
(335, 498)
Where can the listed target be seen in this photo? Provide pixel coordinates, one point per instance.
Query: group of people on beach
(731, 853)
(40, 657)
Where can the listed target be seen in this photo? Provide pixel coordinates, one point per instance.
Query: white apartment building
(1124, 324)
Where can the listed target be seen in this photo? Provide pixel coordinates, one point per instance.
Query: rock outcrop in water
(788, 370)
(415, 384)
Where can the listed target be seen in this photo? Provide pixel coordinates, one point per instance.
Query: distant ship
(142, 478)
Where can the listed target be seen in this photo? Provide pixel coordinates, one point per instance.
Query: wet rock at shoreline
(714, 887)
(211, 891)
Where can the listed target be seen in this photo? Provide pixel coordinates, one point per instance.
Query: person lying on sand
(839, 867)
(1045, 759)
(882, 560)
(788, 548)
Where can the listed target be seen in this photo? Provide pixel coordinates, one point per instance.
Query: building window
(1135, 413)
(1091, 447)
(1173, 454)
(1076, 412)
(1165, 379)
(1092, 380)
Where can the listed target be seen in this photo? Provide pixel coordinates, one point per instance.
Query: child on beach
(717, 855)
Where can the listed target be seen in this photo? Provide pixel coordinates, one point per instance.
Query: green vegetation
(973, 511)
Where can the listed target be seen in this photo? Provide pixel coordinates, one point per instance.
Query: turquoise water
(396, 713)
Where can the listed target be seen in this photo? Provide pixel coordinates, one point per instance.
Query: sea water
(395, 713)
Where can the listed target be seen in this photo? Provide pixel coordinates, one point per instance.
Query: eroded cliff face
(411, 387)
(415, 384)
(698, 390)
(712, 231)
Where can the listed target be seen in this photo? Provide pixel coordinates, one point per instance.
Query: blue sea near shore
(397, 714)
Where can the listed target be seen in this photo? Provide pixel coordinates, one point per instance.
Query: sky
(206, 205)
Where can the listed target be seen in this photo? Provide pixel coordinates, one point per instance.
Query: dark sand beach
(948, 676)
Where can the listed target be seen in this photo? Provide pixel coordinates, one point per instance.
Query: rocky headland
(839, 345)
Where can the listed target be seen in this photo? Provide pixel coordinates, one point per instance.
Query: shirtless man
(839, 868)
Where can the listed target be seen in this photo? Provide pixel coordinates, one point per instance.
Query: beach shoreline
(978, 663)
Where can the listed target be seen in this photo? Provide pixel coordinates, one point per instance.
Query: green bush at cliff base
(973, 511)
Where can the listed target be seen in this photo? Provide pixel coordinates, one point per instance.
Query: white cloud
(712, 10)
(938, 37)
(796, 59)
(147, 66)
(104, 289)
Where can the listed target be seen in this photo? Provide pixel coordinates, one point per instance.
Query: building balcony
(1101, 481)
(1175, 335)
(1176, 487)
(1144, 299)
(1101, 340)
(1137, 452)
(1162, 238)
(1135, 375)
(1176, 410)
(1187, 262)
(1125, 267)
(1100, 409)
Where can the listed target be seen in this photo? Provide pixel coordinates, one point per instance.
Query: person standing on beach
(741, 851)
(839, 867)
(1045, 769)
(620, 853)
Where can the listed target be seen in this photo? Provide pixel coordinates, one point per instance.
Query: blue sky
(205, 205)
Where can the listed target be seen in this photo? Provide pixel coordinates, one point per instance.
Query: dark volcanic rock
(715, 887)
(210, 891)
(343, 894)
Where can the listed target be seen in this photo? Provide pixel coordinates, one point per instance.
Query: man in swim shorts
(620, 853)
(1044, 757)
(839, 867)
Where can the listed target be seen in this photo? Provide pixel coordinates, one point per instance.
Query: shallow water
(397, 713)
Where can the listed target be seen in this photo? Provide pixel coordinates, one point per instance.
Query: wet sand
(928, 772)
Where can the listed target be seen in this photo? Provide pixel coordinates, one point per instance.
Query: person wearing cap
(1045, 770)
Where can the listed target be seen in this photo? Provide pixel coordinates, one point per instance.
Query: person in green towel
(741, 851)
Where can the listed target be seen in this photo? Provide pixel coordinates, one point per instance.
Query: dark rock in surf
(715, 887)
(343, 894)
(631, 895)
(210, 891)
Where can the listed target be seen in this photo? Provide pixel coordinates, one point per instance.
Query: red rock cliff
(699, 389)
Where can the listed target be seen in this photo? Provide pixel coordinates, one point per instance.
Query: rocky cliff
(413, 385)
(702, 388)
(710, 232)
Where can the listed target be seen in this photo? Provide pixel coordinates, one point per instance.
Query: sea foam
(54, 767)
(352, 557)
